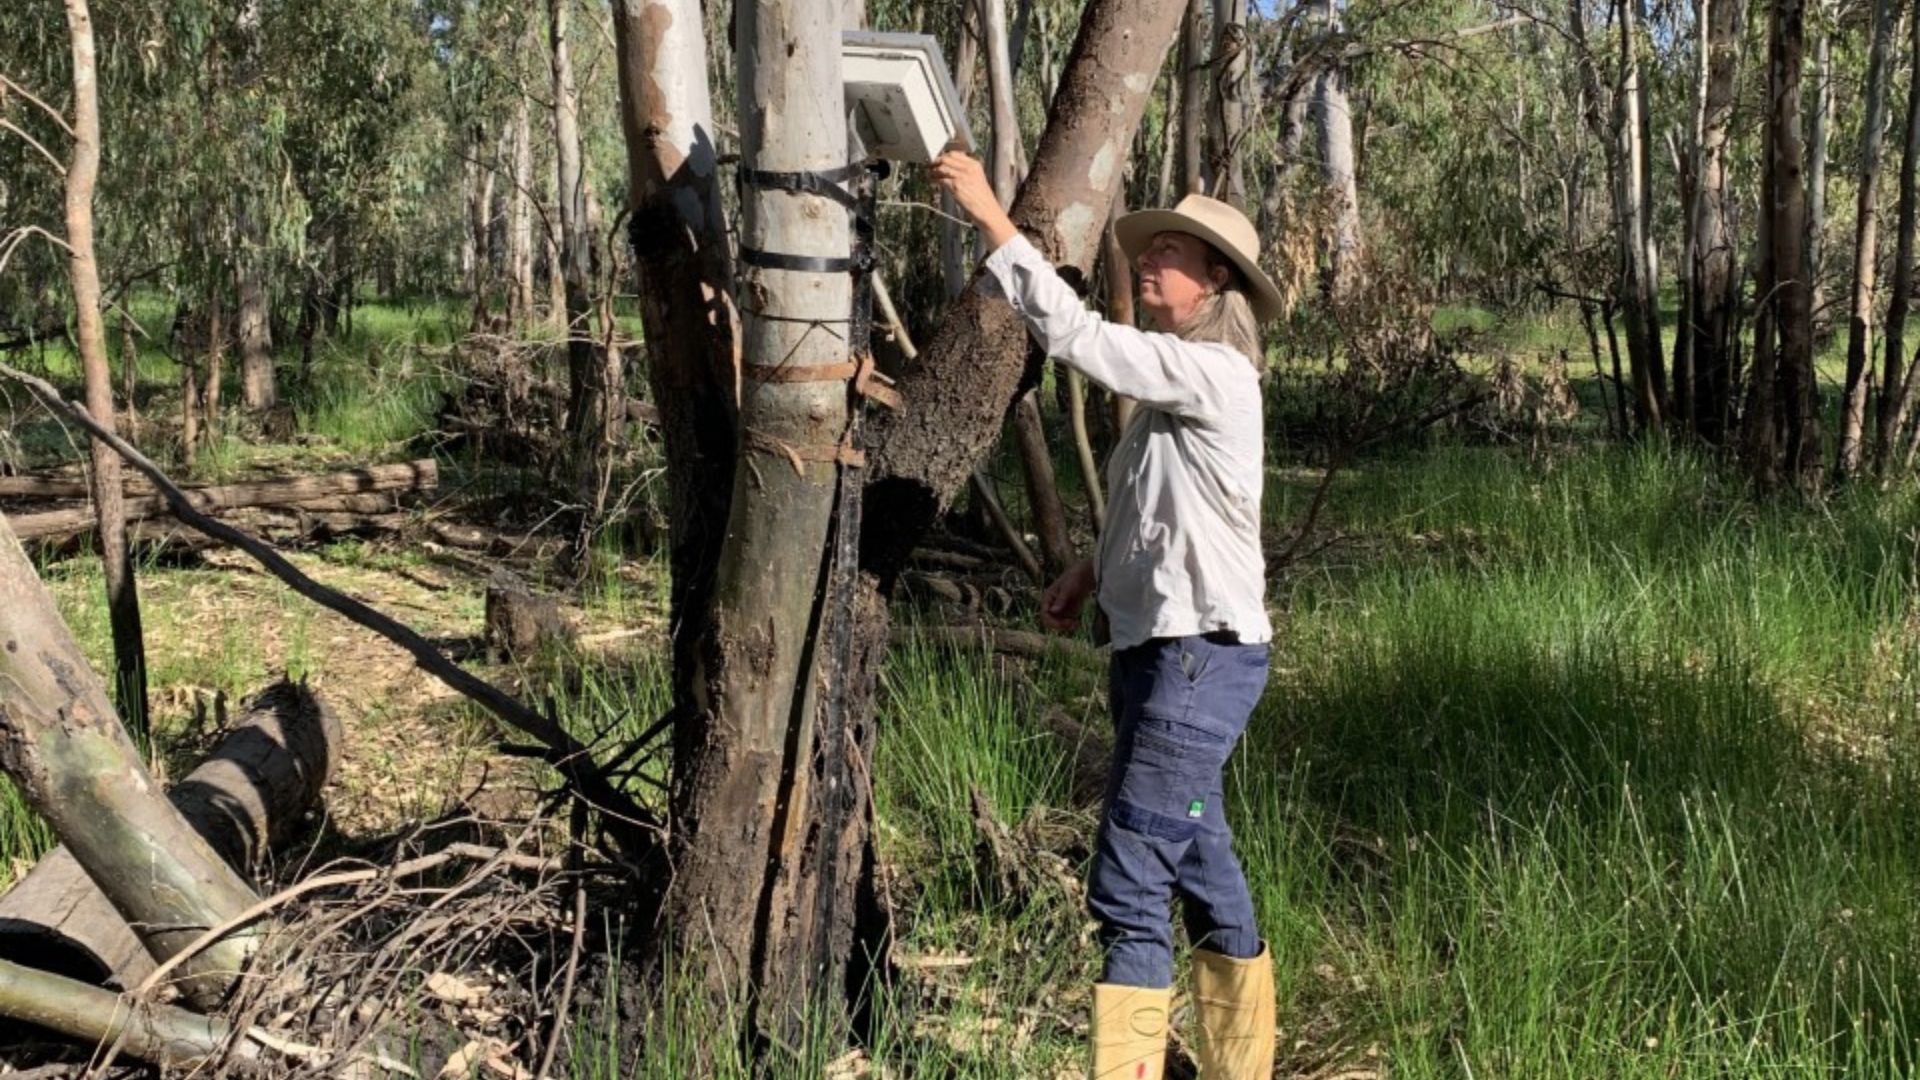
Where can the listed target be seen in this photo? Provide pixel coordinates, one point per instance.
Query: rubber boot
(1129, 1033)
(1233, 1000)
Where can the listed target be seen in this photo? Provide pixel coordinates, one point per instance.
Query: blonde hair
(1225, 317)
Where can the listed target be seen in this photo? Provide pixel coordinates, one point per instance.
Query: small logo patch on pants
(1196, 808)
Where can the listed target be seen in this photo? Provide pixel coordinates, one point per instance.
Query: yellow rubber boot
(1129, 1032)
(1233, 1000)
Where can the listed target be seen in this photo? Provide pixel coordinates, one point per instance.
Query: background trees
(1470, 200)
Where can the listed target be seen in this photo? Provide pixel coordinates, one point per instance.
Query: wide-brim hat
(1219, 224)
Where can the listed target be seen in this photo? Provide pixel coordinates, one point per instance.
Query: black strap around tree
(827, 183)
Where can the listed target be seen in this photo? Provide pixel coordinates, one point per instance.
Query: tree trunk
(1866, 244)
(1083, 450)
(956, 236)
(1228, 120)
(1640, 286)
(76, 767)
(1003, 164)
(469, 250)
(83, 170)
(1896, 386)
(258, 392)
(1794, 296)
(1817, 154)
(1193, 98)
(679, 236)
(741, 899)
(216, 356)
(1760, 438)
(1333, 120)
(520, 224)
(583, 405)
(480, 226)
(1708, 264)
(244, 799)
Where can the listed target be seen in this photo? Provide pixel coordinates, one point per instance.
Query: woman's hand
(961, 175)
(1060, 605)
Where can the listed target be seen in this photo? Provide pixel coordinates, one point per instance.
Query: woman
(1181, 579)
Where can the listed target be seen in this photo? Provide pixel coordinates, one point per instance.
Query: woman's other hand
(961, 175)
(1060, 605)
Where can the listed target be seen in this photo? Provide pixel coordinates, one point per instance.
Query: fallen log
(422, 475)
(63, 744)
(58, 487)
(242, 800)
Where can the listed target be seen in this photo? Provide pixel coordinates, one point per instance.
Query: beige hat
(1219, 224)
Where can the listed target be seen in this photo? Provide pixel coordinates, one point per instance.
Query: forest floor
(1574, 762)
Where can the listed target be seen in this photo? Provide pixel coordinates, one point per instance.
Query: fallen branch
(632, 823)
(158, 1034)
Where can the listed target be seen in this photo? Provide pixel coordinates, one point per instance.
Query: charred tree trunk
(61, 743)
(678, 233)
(1866, 245)
(1896, 384)
(83, 170)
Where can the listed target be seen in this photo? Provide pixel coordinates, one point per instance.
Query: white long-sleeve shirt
(1180, 553)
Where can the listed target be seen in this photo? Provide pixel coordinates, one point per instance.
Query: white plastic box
(901, 97)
